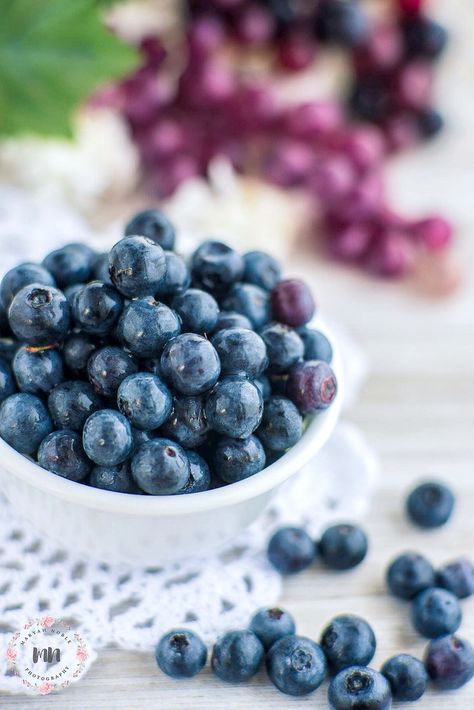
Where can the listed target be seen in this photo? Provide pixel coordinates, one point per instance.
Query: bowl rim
(314, 437)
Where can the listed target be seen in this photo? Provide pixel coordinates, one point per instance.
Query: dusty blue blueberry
(407, 677)
(284, 346)
(231, 319)
(263, 384)
(37, 371)
(187, 423)
(296, 665)
(39, 315)
(154, 225)
(197, 309)
(21, 276)
(358, 688)
(181, 654)
(7, 381)
(100, 268)
(271, 625)
(190, 364)
(77, 349)
(62, 453)
(237, 656)
(234, 407)
(409, 574)
(291, 550)
(241, 352)
(113, 478)
(24, 422)
(449, 662)
(145, 327)
(343, 546)
(457, 577)
(71, 403)
(107, 437)
(261, 269)
(282, 424)
(348, 641)
(199, 474)
(177, 277)
(96, 307)
(145, 400)
(316, 345)
(236, 459)
(108, 367)
(71, 264)
(430, 505)
(161, 467)
(137, 266)
(215, 266)
(436, 612)
(252, 301)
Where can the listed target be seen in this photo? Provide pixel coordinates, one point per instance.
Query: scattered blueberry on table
(296, 665)
(407, 677)
(430, 505)
(181, 654)
(436, 612)
(347, 641)
(359, 687)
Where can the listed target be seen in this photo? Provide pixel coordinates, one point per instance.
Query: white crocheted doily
(132, 607)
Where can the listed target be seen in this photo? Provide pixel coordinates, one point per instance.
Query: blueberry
(71, 292)
(457, 577)
(430, 123)
(96, 307)
(199, 476)
(237, 656)
(190, 364)
(62, 453)
(71, 403)
(145, 400)
(271, 625)
(282, 424)
(296, 665)
(424, 37)
(197, 309)
(449, 662)
(37, 372)
(100, 269)
(108, 367)
(187, 424)
(359, 687)
(348, 641)
(261, 269)
(113, 478)
(181, 654)
(154, 225)
(292, 303)
(316, 345)
(231, 319)
(234, 407)
(107, 437)
(39, 315)
(145, 327)
(343, 547)
(341, 22)
(7, 382)
(24, 422)
(241, 352)
(236, 459)
(263, 384)
(312, 386)
(251, 301)
(430, 505)
(21, 276)
(215, 266)
(77, 349)
(436, 612)
(284, 346)
(291, 550)
(370, 99)
(409, 574)
(72, 264)
(177, 277)
(137, 266)
(407, 677)
(161, 467)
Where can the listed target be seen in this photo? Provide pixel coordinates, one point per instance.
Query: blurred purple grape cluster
(333, 151)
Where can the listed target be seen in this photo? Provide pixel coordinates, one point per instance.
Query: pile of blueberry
(137, 372)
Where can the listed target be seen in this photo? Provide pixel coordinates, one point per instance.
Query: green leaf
(53, 54)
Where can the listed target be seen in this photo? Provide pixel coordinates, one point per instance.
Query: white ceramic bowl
(145, 530)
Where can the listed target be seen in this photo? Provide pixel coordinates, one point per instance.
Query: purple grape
(292, 303)
(450, 662)
(312, 386)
